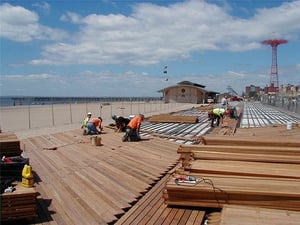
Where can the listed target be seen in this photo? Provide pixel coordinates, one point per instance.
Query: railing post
(29, 122)
(71, 119)
(52, 109)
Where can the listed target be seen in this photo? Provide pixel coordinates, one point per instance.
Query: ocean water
(25, 100)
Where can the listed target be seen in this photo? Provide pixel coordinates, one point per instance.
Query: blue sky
(119, 48)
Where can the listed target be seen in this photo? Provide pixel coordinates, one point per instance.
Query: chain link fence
(14, 118)
(286, 103)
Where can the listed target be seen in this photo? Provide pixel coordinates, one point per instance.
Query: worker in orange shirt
(94, 126)
(133, 129)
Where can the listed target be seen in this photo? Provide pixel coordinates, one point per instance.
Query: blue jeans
(131, 135)
(91, 128)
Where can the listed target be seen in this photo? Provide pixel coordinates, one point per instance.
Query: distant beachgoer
(133, 129)
(94, 126)
(121, 122)
(216, 114)
(85, 121)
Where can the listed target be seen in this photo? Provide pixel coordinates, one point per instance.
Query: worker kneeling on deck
(133, 129)
(216, 114)
(94, 126)
(121, 123)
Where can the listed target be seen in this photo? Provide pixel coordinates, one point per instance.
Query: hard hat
(89, 113)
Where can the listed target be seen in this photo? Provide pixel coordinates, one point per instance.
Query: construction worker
(121, 123)
(94, 126)
(216, 114)
(224, 102)
(84, 122)
(133, 129)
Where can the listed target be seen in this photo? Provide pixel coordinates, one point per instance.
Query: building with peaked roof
(188, 92)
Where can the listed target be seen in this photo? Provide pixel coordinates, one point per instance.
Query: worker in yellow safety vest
(216, 114)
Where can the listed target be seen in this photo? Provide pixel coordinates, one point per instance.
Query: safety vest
(219, 111)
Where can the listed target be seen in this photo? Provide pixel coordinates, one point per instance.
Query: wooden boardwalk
(118, 182)
(79, 183)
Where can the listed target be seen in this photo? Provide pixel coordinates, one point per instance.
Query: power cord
(193, 181)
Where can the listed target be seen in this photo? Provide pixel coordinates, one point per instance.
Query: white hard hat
(89, 113)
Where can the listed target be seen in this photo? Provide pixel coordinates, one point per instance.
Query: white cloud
(71, 17)
(150, 35)
(27, 77)
(21, 25)
(43, 5)
(153, 33)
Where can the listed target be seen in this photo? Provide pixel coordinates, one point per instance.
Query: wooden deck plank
(185, 217)
(104, 174)
(193, 218)
(138, 209)
(254, 141)
(245, 168)
(272, 193)
(232, 214)
(199, 218)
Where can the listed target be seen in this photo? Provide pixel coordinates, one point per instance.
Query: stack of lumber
(253, 174)
(232, 214)
(275, 140)
(167, 118)
(276, 154)
(9, 145)
(279, 130)
(19, 204)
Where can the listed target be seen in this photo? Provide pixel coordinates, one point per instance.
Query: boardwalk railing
(283, 102)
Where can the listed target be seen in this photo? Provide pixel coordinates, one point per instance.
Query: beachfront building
(188, 92)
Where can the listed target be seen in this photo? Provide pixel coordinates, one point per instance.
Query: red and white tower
(274, 84)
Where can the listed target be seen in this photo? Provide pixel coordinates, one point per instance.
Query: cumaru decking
(115, 183)
(79, 183)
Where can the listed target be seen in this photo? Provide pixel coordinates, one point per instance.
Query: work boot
(125, 138)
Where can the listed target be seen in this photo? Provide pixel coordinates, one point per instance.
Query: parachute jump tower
(274, 84)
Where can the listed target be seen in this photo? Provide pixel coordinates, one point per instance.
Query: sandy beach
(33, 120)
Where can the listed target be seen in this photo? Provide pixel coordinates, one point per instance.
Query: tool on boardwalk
(187, 180)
